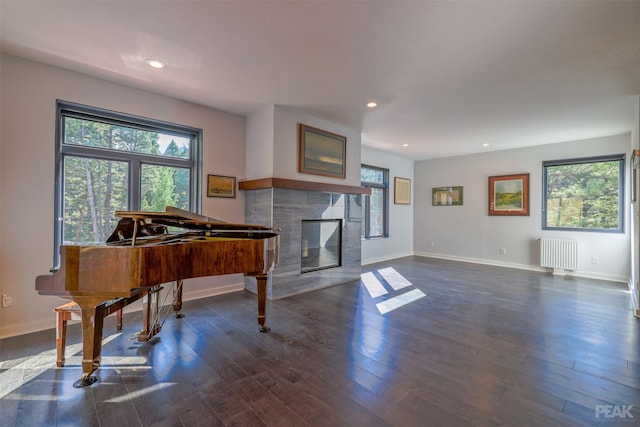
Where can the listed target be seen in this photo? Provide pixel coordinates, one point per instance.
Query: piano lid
(140, 227)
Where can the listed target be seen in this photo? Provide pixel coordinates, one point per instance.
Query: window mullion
(135, 184)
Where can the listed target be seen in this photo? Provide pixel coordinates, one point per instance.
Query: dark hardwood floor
(484, 346)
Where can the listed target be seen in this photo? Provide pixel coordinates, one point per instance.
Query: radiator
(559, 254)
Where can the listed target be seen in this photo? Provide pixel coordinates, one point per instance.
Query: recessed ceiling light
(372, 104)
(155, 63)
(486, 144)
(405, 145)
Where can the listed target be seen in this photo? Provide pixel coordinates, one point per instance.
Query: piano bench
(71, 311)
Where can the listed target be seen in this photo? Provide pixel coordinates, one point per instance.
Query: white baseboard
(585, 274)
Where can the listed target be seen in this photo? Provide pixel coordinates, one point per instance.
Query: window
(108, 161)
(375, 206)
(584, 194)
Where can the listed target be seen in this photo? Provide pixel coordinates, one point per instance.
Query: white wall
(400, 240)
(468, 233)
(259, 161)
(285, 158)
(272, 145)
(27, 141)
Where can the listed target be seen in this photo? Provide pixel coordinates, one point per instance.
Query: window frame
(620, 158)
(135, 160)
(366, 209)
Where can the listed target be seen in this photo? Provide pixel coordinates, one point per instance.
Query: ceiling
(449, 76)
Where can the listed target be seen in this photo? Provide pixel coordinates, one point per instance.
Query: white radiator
(559, 254)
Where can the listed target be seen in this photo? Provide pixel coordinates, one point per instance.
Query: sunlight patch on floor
(135, 394)
(397, 302)
(373, 285)
(391, 278)
(396, 280)
(108, 361)
(16, 372)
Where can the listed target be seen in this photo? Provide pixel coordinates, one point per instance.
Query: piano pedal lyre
(150, 314)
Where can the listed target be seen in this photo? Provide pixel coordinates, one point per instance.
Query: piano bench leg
(64, 313)
(61, 337)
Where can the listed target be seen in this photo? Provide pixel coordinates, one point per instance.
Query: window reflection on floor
(378, 282)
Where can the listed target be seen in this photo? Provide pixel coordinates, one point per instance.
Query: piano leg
(91, 339)
(261, 281)
(177, 299)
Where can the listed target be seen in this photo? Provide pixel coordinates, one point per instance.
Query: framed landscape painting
(221, 186)
(321, 152)
(509, 195)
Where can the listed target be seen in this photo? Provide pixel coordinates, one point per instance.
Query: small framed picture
(402, 191)
(446, 196)
(221, 186)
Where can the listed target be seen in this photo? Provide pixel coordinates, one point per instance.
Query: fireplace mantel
(292, 184)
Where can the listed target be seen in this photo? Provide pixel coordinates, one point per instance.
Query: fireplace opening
(321, 244)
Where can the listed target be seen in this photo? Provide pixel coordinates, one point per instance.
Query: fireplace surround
(287, 204)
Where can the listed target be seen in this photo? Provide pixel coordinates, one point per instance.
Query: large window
(584, 194)
(108, 161)
(375, 206)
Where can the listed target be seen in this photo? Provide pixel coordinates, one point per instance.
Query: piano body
(145, 251)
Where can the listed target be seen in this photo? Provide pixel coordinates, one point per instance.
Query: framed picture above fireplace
(321, 152)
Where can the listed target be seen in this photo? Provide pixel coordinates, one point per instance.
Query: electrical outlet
(594, 260)
(503, 251)
(432, 244)
(7, 301)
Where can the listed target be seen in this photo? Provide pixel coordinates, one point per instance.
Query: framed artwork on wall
(509, 195)
(221, 186)
(446, 196)
(321, 152)
(401, 191)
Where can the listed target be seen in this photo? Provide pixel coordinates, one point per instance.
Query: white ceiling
(448, 75)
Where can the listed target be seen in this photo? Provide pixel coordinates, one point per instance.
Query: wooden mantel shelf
(292, 184)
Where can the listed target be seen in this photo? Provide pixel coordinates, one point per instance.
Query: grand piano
(148, 249)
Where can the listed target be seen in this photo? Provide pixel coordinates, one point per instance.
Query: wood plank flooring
(484, 346)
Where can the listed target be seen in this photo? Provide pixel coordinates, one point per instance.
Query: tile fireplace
(319, 237)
